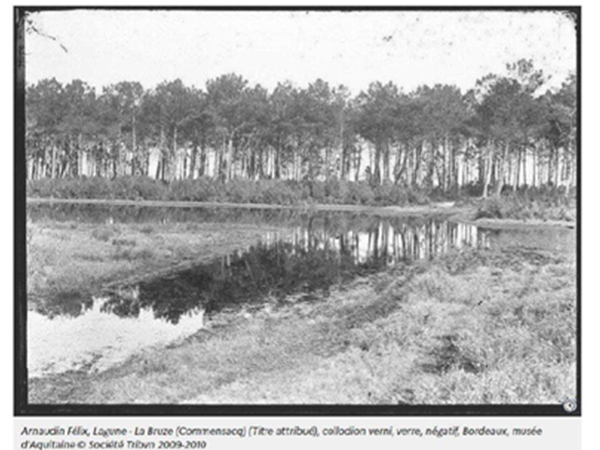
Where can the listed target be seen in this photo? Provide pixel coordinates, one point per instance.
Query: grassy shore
(476, 326)
(512, 211)
(538, 203)
(67, 261)
(205, 189)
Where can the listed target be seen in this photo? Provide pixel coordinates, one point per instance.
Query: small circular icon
(569, 405)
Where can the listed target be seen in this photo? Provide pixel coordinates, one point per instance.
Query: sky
(410, 48)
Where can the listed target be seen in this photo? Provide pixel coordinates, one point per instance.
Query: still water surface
(312, 254)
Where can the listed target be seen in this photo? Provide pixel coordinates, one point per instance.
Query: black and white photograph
(368, 208)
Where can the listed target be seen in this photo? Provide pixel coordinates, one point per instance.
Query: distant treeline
(504, 131)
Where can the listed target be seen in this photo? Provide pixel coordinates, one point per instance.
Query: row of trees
(503, 131)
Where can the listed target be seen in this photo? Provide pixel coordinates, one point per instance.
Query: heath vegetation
(475, 326)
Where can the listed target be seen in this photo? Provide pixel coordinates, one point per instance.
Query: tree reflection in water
(317, 257)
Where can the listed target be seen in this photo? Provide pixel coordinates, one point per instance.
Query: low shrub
(280, 192)
(138, 188)
(103, 234)
(132, 254)
(390, 194)
(544, 202)
(147, 229)
(417, 197)
(523, 205)
(89, 188)
(359, 193)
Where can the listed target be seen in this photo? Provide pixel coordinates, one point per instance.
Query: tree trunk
(488, 160)
(79, 168)
(557, 167)
(401, 164)
(203, 159)
(358, 164)
(550, 161)
(52, 161)
(502, 170)
(509, 172)
(377, 165)
(430, 165)
(278, 152)
(229, 158)
(342, 169)
(386, 161)
(163, 150)
(519, 167)
(534, 167)
(193, 158)
(417, 163)
(174, 157)
(134, 152)
(482, 166)
(573, 175)
(525, 181)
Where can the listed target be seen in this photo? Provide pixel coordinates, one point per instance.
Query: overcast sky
(266, 47)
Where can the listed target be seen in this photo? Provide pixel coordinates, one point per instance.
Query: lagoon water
(96, 339)
(311, 255)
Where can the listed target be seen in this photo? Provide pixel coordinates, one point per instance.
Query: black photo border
(21, 405)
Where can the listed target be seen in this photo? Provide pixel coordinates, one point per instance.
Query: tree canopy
(504, 131)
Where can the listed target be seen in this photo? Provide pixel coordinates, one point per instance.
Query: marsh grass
(206, 189)
(147, 229)
(526, 206)
(105, 234)
(471, 327)
(65, 262)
